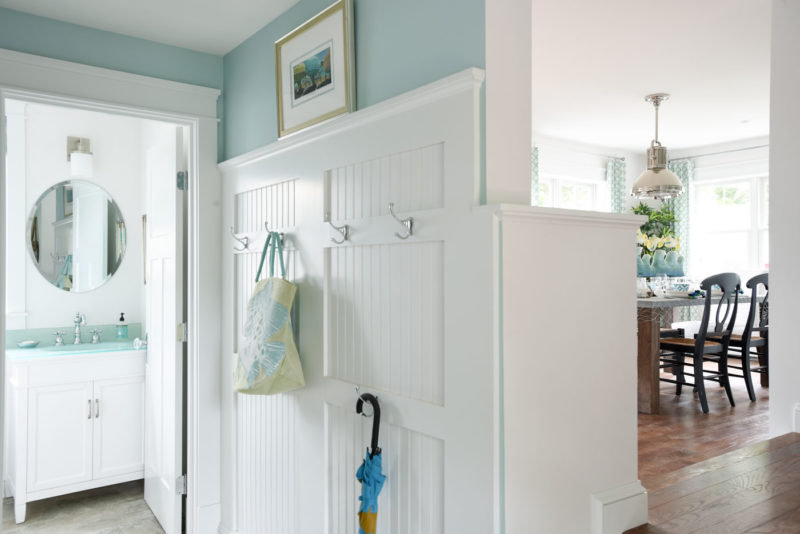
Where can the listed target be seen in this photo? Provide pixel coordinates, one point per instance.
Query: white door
(164, 294)
(118, 427)
(59, 435)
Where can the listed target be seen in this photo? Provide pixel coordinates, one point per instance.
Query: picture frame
(315, 69)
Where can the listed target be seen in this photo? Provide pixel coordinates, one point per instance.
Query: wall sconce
(79, 156)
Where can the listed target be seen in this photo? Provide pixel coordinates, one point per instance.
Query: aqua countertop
(70, 350)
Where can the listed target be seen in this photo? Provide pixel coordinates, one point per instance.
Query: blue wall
(400, 45)
(60, 40)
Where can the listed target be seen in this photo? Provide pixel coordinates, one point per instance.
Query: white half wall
(568, 326)
(784, 218)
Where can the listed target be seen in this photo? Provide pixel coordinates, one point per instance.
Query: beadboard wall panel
(384, 317)
(413, 179)
(411, 500)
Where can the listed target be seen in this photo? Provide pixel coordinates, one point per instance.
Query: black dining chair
(702, 349)
(753, 341)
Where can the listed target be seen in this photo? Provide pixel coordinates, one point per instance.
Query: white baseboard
(617, 510)
(797, 417)
(222, 529)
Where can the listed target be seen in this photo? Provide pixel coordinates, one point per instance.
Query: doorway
(111, 236)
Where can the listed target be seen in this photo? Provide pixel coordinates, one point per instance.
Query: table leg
(648, 336)
(762, 360)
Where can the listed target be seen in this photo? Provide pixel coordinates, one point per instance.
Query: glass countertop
(70, 350)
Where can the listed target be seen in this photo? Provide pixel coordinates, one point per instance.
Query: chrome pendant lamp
(657, 181)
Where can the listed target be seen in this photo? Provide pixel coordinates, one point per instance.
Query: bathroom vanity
(76, 419)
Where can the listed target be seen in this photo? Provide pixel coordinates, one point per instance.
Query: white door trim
(44, 80)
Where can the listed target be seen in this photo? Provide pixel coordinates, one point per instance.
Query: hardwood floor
(751, 490)
(718, 472)
(683, 435)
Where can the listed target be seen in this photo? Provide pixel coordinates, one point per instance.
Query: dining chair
(754, 337)
(702, 349)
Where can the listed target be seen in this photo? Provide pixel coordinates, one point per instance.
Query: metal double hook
(343, 230)
(407, 223)
(244, 241)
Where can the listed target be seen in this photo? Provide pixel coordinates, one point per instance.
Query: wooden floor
(717, 472)
(682, 434)
(752, 490)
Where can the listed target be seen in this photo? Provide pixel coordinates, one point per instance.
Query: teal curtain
(535, 176)
(615, 176)
(684, 169)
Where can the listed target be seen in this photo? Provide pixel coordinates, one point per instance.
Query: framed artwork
(315, 69)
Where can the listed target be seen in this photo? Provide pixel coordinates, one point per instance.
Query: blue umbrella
(369, 474)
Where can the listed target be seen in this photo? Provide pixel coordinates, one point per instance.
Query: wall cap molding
(468, 79)
(563, 216)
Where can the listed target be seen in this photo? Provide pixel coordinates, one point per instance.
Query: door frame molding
(49, 81)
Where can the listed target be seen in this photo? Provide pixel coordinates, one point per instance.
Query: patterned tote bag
(268, 362)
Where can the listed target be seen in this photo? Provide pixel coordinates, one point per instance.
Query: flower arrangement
(658, 245)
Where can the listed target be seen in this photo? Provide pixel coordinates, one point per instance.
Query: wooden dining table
(650, 314)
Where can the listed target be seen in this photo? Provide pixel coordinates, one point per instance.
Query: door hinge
(183, 333)
(180, 485)
(182, 181)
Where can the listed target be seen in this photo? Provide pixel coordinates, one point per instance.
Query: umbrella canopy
(372, 480)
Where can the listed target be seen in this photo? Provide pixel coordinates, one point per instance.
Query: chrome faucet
(79, 320)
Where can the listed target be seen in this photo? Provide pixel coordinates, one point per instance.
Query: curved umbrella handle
(376, 421)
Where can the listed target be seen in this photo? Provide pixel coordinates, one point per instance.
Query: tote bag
(268, 362)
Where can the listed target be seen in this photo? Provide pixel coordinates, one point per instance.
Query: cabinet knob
(97, 408)
(90, 409)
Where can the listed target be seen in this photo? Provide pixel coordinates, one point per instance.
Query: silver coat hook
(244, 241)
(266, 227)
(408, 223)
(343, 230)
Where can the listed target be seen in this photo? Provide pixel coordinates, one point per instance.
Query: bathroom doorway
(96, 249)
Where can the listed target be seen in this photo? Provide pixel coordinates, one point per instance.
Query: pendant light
(657, 181)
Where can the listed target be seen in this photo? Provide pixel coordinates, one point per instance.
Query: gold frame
(346, 6)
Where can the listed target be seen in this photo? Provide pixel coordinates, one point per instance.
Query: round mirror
(76, 236)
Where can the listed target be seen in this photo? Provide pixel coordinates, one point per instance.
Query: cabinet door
(60, 422)
(118, 426)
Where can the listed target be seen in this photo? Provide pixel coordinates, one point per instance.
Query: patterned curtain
(535, 176)
(615, 176)
(684, 168)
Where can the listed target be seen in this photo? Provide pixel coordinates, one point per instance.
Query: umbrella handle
(376, 421)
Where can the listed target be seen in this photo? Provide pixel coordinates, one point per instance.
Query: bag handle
(275, 239)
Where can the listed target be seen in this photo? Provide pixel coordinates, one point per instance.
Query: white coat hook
(244, 241)
(408, 223)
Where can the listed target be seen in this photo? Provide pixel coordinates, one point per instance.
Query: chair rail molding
(468, 79)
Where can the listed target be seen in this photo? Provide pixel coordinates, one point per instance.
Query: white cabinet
(59, 435)
(76, 422)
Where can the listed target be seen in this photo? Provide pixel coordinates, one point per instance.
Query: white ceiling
(211, 26)
(594, 61)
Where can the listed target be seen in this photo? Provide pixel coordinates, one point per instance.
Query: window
(572, 178)
(571, 193)
(729, 226)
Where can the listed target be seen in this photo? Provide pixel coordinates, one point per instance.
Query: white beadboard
(412, 498)
(265, 424)
(266, 468)
(274, 203)
(384, 317)
(413, 180)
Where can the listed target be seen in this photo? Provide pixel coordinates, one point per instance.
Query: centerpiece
(658, 246)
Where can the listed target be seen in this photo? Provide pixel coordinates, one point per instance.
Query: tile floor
(118, 509)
